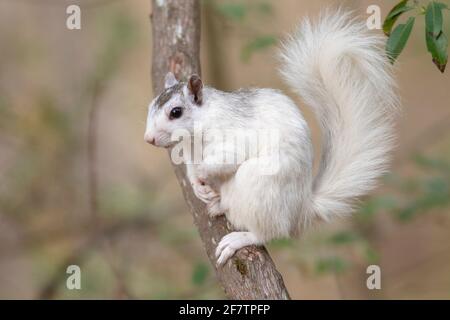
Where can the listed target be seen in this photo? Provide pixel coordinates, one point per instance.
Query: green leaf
(437, 46)
(265, 8)
(394, 14)
(232, 11)
(259, 43)
(370, 208)
(434, 193)
(344, 237)
(397, 41)
(442, 5)
(407, 213)
(437, 41)
(433, 19)
(432, 163)
(282, 243)
(331, 264)
(371, 254)
(200, 273)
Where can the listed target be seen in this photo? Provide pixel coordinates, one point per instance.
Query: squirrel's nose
(149, 138)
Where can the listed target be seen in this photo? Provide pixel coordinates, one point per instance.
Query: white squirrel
(340, 70)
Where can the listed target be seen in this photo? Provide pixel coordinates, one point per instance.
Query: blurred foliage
(259, 43)
(232, 11)
(124, 201)
(120, 36)
(240, 10)
(412, 196)
(332, 264)
(200, 273)
(43, 190)
(48, 154)
(44, 141)
(416, 195)
(240, 15)
(343, 238)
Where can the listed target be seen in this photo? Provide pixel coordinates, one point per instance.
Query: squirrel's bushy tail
(340, 70)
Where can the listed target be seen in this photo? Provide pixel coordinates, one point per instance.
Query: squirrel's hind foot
(231, 243)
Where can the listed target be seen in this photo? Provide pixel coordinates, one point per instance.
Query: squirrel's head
(174, 109)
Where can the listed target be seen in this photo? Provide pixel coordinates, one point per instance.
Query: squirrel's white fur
(340, 70)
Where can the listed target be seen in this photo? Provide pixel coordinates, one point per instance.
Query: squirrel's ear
(170, 80)
(195, 86)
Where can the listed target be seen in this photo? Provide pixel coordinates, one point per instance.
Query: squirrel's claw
(204, 192)
(233, 242)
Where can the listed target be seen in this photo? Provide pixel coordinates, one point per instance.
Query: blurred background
(78, 185)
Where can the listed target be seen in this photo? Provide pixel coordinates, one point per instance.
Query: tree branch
(251, 273)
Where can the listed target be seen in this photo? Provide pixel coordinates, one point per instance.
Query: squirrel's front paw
(202, 174)
(204, 192)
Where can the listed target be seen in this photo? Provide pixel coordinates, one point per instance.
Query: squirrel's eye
(176, 113)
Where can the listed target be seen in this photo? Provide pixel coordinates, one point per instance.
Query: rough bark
(251, 273)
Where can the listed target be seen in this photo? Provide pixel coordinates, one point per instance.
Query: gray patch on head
(167, 94)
